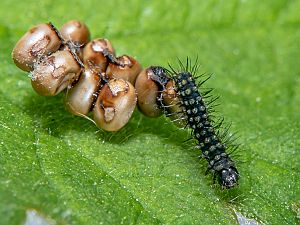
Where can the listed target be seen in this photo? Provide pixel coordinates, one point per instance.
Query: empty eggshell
(80, 98)
(148, 91)
(127, 68)
(75, 31)
(115, 105)
(94, 54)
(38, 41)
(54, 73)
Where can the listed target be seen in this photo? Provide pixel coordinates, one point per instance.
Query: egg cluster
(92, 77)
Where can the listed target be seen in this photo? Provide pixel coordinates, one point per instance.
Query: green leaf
(70, 171)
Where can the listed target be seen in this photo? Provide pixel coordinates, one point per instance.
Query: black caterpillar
(197, 114)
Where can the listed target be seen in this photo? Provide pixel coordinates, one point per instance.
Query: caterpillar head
(228, 177)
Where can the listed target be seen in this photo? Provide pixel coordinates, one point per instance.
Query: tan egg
(115, 105)
(125, 67)
(148, 93)
(80, 98)
(38, 41)
(95, 52)
(76, 32)
(54, 73)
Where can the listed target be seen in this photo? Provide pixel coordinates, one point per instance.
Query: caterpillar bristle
(182, 67)
(187, 140)
(204, 81)
(207, 92)
(179, 119)
(195, 67)
(171, 71)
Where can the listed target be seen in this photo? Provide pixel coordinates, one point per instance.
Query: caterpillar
(179, 97)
